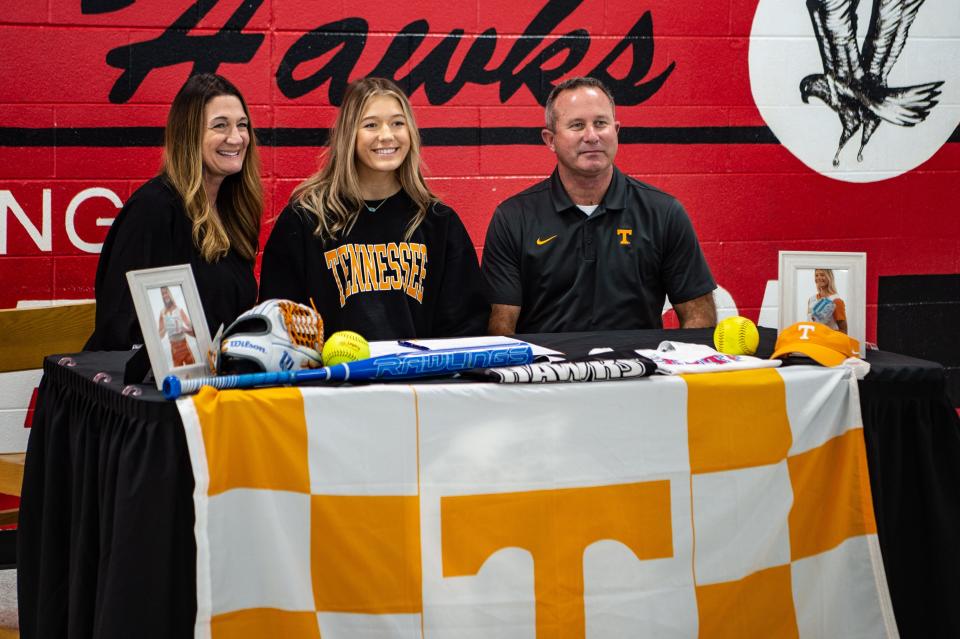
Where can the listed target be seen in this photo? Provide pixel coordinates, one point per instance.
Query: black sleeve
(141, 237)
(461, 308)
(501, 262)
(685, 272)
(283, 270)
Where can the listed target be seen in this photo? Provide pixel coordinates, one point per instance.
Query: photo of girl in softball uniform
(826, 306)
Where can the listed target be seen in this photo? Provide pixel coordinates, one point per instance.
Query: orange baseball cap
(818, 341)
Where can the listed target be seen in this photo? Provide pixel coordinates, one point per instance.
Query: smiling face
(585, 132)
(383, 139)
(821, 279)
(167, 297)
(225, 137)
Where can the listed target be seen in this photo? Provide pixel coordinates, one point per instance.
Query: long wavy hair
(240, 198)
(332, 194)
(831, 283)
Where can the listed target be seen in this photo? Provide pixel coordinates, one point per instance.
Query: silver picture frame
(171, 318)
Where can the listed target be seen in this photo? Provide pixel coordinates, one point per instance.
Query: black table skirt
(105, 541)
(106, 545)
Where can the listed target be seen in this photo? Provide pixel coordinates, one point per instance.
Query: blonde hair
(831, 283)
(333, 194)
(240, 199)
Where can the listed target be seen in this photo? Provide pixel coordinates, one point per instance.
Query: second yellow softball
(736, 336)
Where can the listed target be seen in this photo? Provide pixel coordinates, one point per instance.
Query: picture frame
(801, 300)
(171, 318)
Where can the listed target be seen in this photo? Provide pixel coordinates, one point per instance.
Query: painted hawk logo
(854, 84)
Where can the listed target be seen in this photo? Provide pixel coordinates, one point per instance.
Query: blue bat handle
(174, 387)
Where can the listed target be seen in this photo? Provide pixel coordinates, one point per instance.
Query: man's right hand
(503, 319)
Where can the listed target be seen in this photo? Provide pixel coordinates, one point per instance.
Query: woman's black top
(375, 282)
(153, 230)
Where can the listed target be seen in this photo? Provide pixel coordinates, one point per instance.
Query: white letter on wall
(75, 203)
(42, 238)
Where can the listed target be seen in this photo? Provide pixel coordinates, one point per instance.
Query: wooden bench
(28, 335)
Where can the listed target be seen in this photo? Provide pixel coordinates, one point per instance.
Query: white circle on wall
(784, 51)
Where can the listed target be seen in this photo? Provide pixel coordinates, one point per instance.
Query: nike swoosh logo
(542, 242)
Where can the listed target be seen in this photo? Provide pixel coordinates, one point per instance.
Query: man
(590, 248)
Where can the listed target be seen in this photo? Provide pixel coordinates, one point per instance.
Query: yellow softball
(736, 336)
(345, 346)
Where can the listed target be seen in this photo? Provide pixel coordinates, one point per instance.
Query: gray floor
(8, 599)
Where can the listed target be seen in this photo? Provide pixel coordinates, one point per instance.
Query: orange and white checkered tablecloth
(718, 505)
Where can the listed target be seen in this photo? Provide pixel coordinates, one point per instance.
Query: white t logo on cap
(806, 329)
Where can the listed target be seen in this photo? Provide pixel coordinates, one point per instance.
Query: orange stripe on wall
(365, 554)
(257, 623)
(831, 495)
(254, 439)
(736, 419)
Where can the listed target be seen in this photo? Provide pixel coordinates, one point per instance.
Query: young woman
(174, 324)
(203, 209)
(365, 239)
(826, 307)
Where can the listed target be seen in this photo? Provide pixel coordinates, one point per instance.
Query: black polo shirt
(608, 271)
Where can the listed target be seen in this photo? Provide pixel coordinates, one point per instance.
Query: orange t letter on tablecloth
(556, 526)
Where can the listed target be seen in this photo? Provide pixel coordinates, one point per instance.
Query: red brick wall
(69, 115)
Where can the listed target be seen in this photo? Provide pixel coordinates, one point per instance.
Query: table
(106, 534)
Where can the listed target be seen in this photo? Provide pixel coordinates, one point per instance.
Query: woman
(826, 307)
(203, 209)
(365, 239)
(174, 324)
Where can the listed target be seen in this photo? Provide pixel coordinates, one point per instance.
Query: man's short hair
(569, 85)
